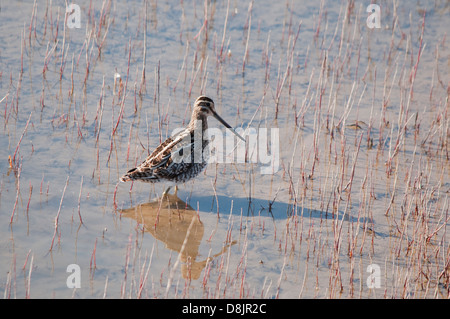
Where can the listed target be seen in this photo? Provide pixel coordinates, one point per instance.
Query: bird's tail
(125, 178)
(144, 175)
(129, 176)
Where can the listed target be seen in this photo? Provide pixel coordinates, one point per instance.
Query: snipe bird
(181, 157)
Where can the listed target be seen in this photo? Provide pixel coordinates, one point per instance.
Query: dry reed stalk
(93, 263)
(114, 196)
(143, 279)
(28, 204)
(28, 281)
(183, 67)
(79, 201)
(106, 287)
(57, 216)
(63, 48)
(127, 263)
(144, 56)
(249, 26)
(102, 21)
(221, 58)
(19, 169)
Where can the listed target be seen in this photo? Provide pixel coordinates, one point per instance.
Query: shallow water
(361, 117)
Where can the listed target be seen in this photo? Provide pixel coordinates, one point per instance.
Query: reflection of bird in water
(180, 157)
(178, 226)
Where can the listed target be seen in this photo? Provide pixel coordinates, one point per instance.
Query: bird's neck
(198, 122)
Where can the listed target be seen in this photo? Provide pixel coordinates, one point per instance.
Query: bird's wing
(175, 149)
(168, 159)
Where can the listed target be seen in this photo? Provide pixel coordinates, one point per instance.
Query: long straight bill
(221, 120)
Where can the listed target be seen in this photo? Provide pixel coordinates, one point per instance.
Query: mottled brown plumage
(182, 156)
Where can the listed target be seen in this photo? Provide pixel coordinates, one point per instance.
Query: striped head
(204, 107)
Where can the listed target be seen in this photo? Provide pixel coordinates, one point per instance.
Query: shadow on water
(262, 207)
(178, 226)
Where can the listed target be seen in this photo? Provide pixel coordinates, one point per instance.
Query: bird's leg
(166, 191)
